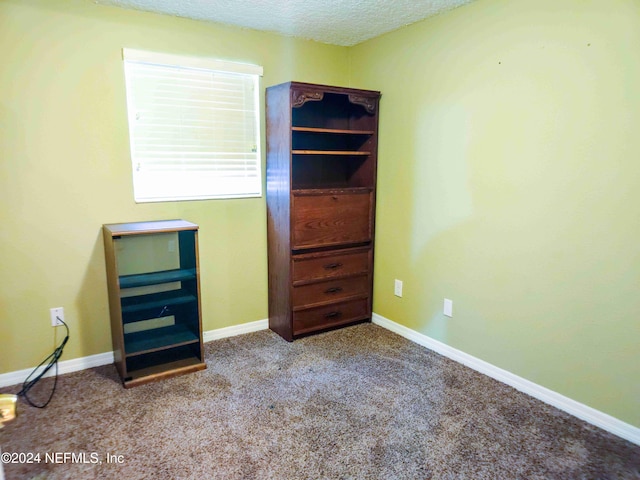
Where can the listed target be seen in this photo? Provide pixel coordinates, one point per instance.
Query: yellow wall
(509, 182)
(65, 168)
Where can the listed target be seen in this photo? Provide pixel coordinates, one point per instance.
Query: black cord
(51, 360)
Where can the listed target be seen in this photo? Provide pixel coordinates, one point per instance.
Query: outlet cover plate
(397, 289)
(448, 307)
(56, 313)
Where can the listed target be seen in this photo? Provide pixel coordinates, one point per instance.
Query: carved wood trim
(368, 103)
(299, 98)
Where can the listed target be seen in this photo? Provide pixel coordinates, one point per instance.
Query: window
(194, 127)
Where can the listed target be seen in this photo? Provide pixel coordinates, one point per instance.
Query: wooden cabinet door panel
(331, 219)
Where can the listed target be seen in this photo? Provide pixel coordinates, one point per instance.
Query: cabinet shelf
(330, 152)
(156, 300)
(155, 278)
(153, 340)
(342, 131)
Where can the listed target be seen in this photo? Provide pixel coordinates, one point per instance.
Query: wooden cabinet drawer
(332, 290)
(310, 267)
(337, 218)
(305, 321)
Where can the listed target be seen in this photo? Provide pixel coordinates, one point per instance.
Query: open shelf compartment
(158, 339)
(163, 364)
(160, 300)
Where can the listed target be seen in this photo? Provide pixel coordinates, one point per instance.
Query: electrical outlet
(56, 313)
(448, 307)
(397, 289)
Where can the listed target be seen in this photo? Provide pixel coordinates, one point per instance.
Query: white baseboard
(66, 366)
(566, 404)
(234, 330)
(76, 364)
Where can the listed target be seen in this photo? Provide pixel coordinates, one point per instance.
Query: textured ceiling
(338, 22)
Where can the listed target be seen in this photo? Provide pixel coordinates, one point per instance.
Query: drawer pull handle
(332, 314)
(333, 290)
(332, 266)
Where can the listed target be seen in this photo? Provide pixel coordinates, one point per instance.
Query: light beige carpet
(356, 403)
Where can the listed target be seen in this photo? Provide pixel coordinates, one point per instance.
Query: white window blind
(194, 127)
